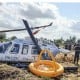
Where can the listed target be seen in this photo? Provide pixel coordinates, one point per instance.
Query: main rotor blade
(12, 30)
(31, 35)
(25, 28)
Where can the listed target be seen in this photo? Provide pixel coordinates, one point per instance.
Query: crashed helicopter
(21, 51)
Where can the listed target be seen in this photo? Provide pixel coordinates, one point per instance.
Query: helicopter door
(14, 52)
(24, 54)
(25, 50)
(34, 53)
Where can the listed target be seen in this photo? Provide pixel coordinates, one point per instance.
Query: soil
(12, 73)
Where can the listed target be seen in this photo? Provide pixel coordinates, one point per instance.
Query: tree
(71, 40)
(13, 37)
(2, 37)
(59, 42)
(74, 39)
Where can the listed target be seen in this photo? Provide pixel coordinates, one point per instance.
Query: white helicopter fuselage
(23, 50)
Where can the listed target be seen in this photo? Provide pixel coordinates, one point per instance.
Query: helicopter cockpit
(4, 46)
(15, 49)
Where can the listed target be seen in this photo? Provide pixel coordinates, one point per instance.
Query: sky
(70, 10)
(65, 18)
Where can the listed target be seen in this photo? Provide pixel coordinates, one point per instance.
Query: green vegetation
(2, 37)
(13, 37)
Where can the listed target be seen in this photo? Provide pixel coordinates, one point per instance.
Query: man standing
(77, 52)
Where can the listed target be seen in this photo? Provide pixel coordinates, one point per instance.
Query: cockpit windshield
(1, 49)
(4, 47)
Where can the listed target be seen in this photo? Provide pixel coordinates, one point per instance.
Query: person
(77, 52)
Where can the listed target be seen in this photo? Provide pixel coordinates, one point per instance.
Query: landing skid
(22, 65)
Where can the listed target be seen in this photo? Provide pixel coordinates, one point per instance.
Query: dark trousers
(76, 57)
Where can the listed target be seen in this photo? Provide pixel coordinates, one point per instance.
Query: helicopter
(24, 51)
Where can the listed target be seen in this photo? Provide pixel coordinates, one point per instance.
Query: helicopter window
(7, 45)
(15, 48)
(44, 44)
(4, 47)
(34, 50)
(1, 49)
(25, 49)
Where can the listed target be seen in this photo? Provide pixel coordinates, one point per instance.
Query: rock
(61, 57)
(69, 58)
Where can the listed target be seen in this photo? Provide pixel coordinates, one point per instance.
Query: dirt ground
(12, 73)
